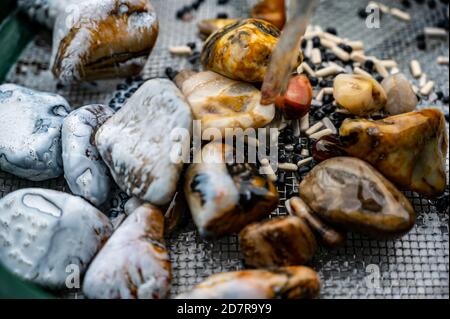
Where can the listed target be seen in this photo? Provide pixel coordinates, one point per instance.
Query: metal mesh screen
(415, 266)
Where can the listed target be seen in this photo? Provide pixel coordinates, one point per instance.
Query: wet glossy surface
(137, 142)
(285, 283)
(46, 235)
(284, 241)
(85, 172)
(223, 199)
(351, 194)
(30, 126)
(409, 149)
(241, 51)
(134, 263)
(104, 39)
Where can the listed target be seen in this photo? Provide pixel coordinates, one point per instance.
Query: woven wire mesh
(415, 266)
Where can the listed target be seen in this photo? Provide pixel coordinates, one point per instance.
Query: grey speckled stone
(30, 132)
(136, 143)
(85, 172)
(42, 232)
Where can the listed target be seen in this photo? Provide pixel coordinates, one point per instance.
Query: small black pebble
(296, 158)
(406, 4)
(431, 4)
(330, 56)
(369, 65)
(281, 178)
(192, 45)
(422, 45)
(132, 90)
(327, 99)
(303, 170)
(362, 13)
(346, 48)
(445, 99)
(222, 2)
(128, 95)
(420, 37)
(440, 95)
(171, 73)
(112, 104)
(331, 30)
(282, 158)
(319, 115)
(330, 108)
(298, 148)
(314, 81)
(379, 78)
(304, 42)
(121, 100)
(288, 131)
(223, 15)
(316, 42)
(323, 83)
(288, 139)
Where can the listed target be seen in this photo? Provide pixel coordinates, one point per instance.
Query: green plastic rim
(15, 34)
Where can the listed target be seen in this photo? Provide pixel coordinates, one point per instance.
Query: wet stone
(30, 126)
(43, 232)
(85, 172)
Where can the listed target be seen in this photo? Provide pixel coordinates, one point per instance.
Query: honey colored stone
(409, 149)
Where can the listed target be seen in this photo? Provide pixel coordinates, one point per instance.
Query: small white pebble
(435, 32)
(305, 67)
(304, 123)
(312, 34)
(181, 50)
(389, 64)
(316, 56)
(319, 96)
(443, 60)
(381, 69)
(330, 70)
(296, 128)
(327, 43)
(289, 148)
(415, 89)
(320, 134)
(402, 15)
(360, 71)
(416, 69)
(268, 171)
(305, 161)
(329, 125)
(328, 91)
(356, 45)
(395, 71)
(358, 57)
(341, 54)
(333, 38)
(427, 88)
(315, 128)
(423, 80)
(288, 167)
(316, 103)
(304, 152)
(308, 49)
(265, 162)
(338, 67)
